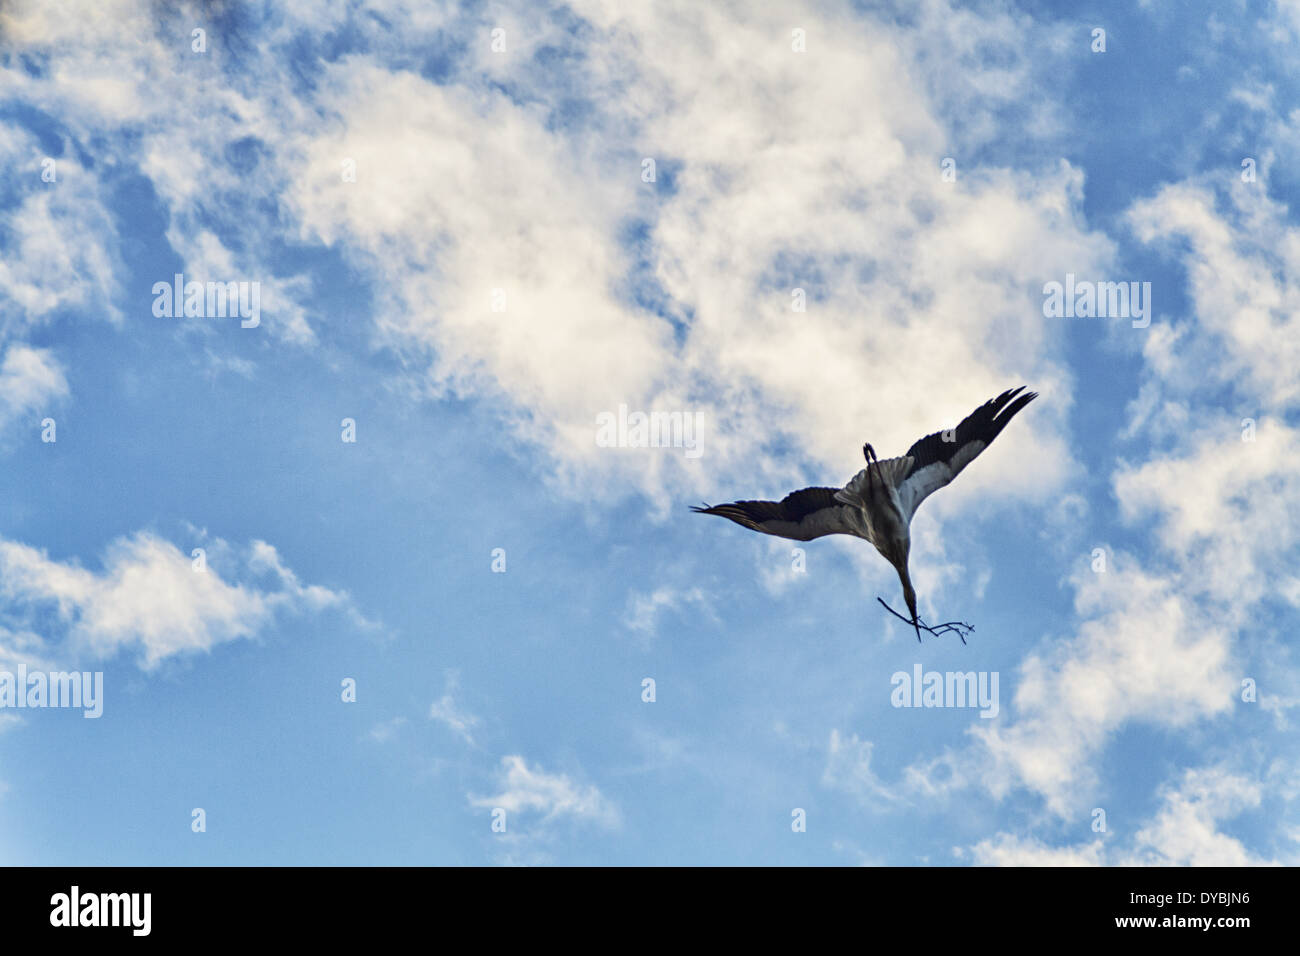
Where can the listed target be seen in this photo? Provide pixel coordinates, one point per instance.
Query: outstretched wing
(936, 461)
(801, 515)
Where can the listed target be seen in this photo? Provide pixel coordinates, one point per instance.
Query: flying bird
(879, 501)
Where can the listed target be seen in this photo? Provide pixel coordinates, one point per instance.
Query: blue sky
(446, 212)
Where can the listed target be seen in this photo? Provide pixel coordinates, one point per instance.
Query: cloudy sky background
(520, 169)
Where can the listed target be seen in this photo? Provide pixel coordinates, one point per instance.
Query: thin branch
(960, 628)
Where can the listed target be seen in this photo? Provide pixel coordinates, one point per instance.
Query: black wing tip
(1002, 409)
(984, 424)
(1016, 402)
(733, 510)
(1012, 393)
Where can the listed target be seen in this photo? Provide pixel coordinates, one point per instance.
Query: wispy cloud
(30, 379)
(545, 797)
(645, 608)
(848, 768)
(446, 711)
(385, 730)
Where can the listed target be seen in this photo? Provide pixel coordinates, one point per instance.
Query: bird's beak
(909, 595)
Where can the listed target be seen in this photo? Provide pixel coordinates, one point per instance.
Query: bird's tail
(892, 470)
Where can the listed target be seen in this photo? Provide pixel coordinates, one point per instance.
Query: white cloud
(445, 710)
(848, 768)
(531, 791)
(1242, 256)
(1141, 653)
(60, 240)
(384, 731)
(22, 646)
(1183, 832)
(1280, 705)
(208, 260)
(122, 75)
(473, 185)
(1158, 643)
(1007, 849)
(776, 565)
(30, 379)
(462, 190)
(645, 608)
(1228, 510)
(150, 598)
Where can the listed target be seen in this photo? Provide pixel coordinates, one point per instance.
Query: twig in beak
(959, 628)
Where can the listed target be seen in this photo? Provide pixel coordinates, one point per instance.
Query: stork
(879, 501)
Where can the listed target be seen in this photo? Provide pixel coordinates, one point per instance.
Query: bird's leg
(869, 454)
